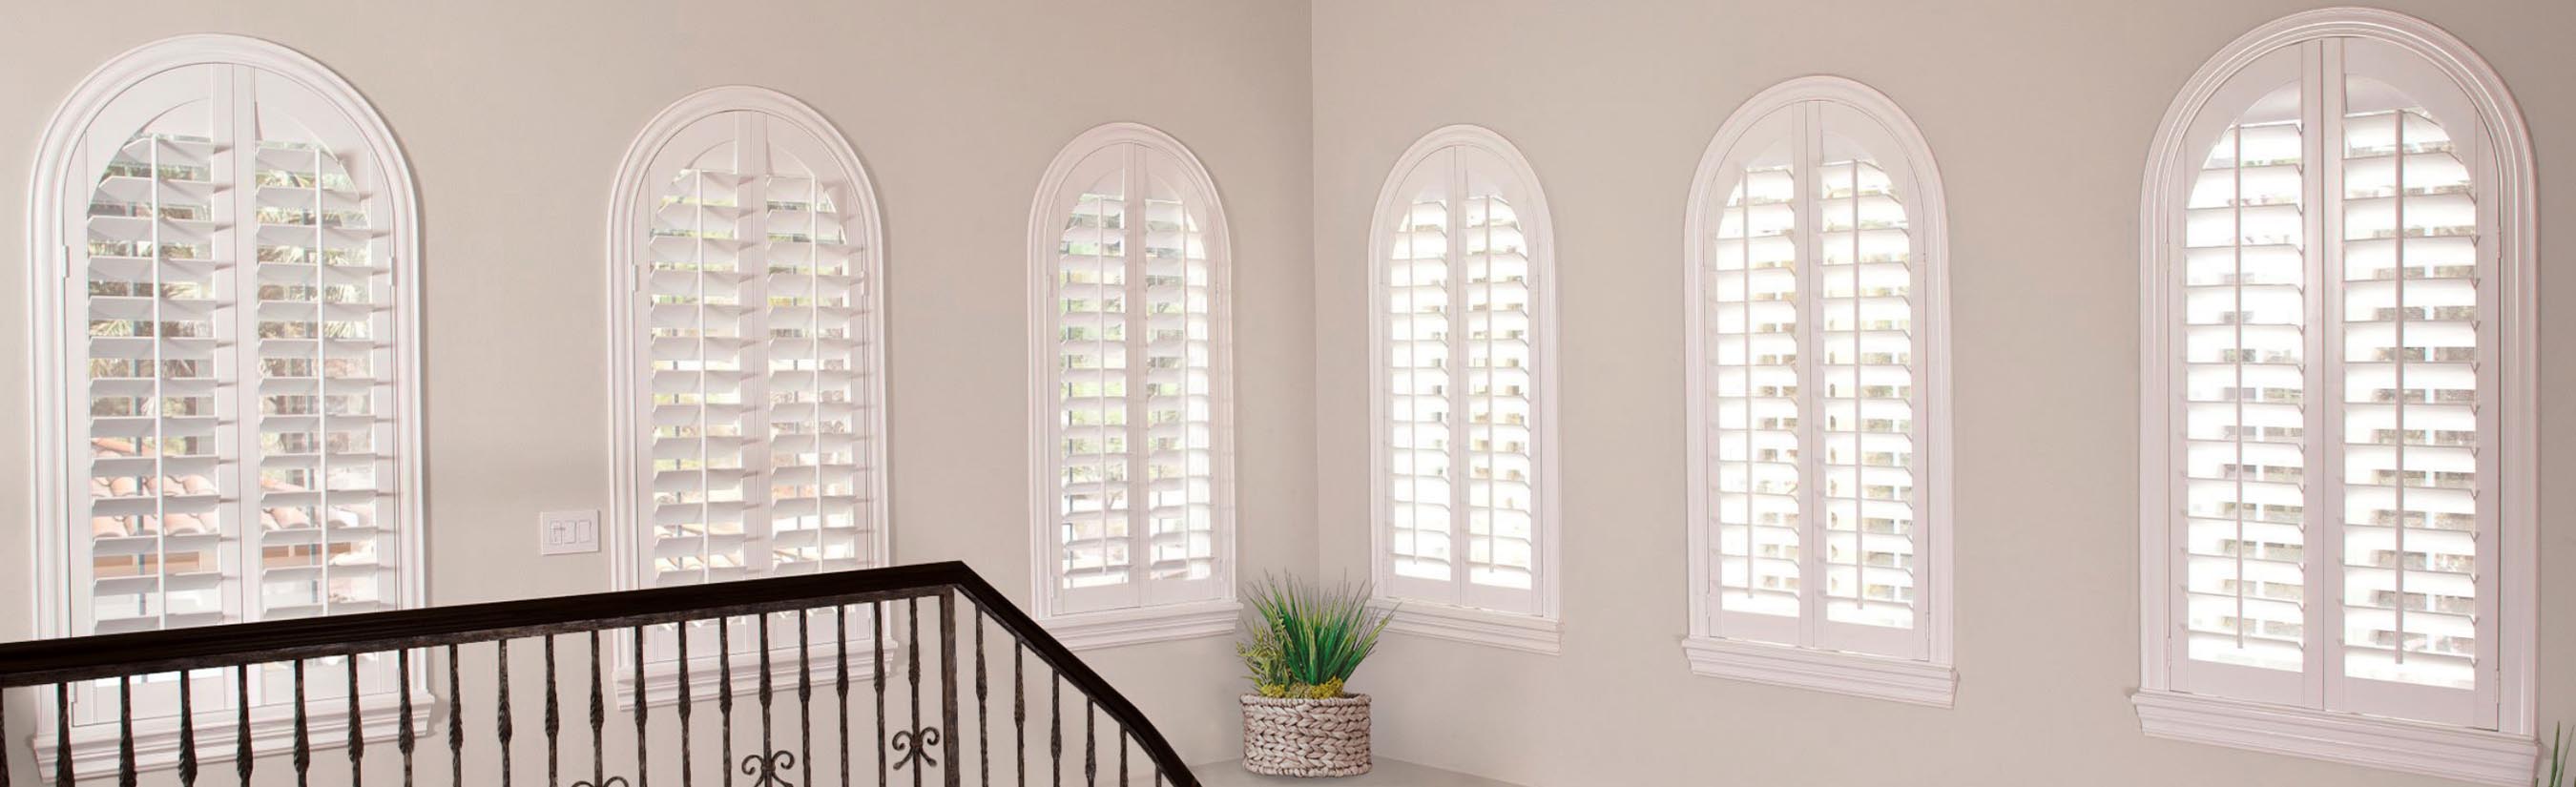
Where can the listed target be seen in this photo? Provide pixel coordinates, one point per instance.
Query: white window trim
(1930, 681)
(1540, 633)
(1152, 622)
(2502, 756)
(48, 251)
(624, 331)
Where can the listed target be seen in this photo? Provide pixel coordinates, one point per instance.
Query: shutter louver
(1131, 401)
(1460, 337)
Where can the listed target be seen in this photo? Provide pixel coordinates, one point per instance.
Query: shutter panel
(1463, 413)
(2338, 379)
(239, 368)
(1810, 285)
(1129, 249)
(756, 362)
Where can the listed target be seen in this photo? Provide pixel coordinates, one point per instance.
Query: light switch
(568, 532)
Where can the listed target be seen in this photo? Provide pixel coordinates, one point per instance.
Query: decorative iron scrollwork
(766, 771)
(904, 742)
(613, 781)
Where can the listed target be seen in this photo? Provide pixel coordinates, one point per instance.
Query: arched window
(225, 255)
(2336, 416)
(1132, 407)
(1462, 267)
(750, 430)
(1818, 394)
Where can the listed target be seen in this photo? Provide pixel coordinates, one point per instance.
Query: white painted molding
(629, 478)
(2506, 181)
(1538, 228)
(1839, 672)
(1158, 623)
(1525, 633)
(1929, 226)
(2430, 749)
(1045, 233)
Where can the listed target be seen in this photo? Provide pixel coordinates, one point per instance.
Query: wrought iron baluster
(766, 765)
(63, 736)
(912, 670)
(1055, 725)
(840, 617)
(643, 772)
(876, 618)
(357, 727)
(688, 764)
(187, 735)
(598, 719)
(405, 737)
(502, 730)
(303, 731)
(124, 731)
(724, 692)
(554, 720)
(804, 688)
(4, 738)
(948, 681)
(983, 746)
(1020, 709)
(241, 725)
(455, 717)
(1122, 755)
(1090, 743)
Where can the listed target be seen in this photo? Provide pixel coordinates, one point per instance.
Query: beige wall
(514, 116)
(2038, 113)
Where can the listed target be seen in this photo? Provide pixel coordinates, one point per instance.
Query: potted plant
(1301, 643)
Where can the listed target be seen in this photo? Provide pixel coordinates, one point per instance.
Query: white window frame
(1930, 679)
(2506, 753)
(94, 746)
(1149, 621)
(630, 475)
(1541, 630)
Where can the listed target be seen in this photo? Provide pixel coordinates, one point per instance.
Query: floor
(1387, 773)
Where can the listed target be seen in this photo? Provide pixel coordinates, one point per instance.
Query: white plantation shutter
(1461, 260)
(234, 226)
(1816, 348)
(753, 434)
(1129, 255)
(2333, 390)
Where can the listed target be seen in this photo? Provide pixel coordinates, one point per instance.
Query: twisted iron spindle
(876, 616)
(912, 652)
(643, 774)
(598, 719)
(948, 682)
(840, 617)
(124, 730)
(241, 724)
(404, 735)
(187, 735)
(1090, 743)
(357, 738)
(554, 720)
(63, 735)
(983, 748)
(303, 732)
(767, 741)
(688, 764)
(455, 717)
(1020, 708)
(724, 691)
(502, 730)
(1055, 725)
(804, 689)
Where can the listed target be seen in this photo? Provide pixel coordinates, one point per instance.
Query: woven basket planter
(1298, 737)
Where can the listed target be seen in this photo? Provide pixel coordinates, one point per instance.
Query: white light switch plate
(568, 532)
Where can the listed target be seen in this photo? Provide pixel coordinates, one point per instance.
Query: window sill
(2430, 749)
(95, 751)
(1839, 672)
(1525, 633)
(1163, 623)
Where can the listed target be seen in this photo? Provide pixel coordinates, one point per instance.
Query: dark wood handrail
(45, 662)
